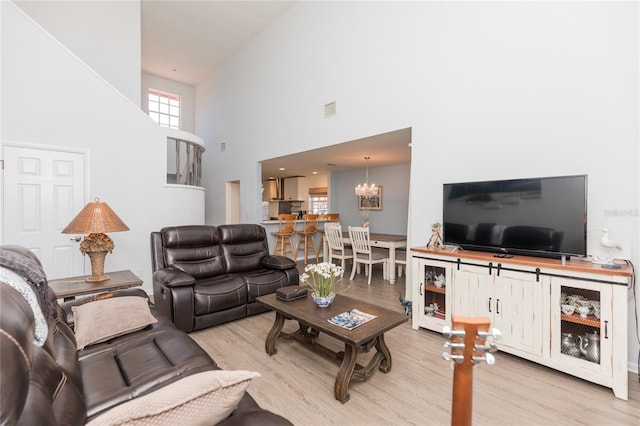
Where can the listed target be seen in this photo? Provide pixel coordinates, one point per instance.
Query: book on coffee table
(351, 319)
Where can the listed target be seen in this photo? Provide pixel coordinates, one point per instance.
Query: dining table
(387, 241)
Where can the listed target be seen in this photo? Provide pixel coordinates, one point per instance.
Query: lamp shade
(95, 217)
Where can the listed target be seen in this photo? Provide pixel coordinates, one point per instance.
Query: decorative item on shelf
(95, 219)
(436, 239)
(607, 261)
(324, 281)
(568, 309)
(589, 346)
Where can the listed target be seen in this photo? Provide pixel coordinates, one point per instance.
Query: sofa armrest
(273, 261)
(173, 296)
(66, 306)
(173, 277)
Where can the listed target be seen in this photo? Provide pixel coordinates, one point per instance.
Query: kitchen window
(318, 200)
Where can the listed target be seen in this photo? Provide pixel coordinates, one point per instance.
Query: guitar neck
(467, 348)
(462, 400)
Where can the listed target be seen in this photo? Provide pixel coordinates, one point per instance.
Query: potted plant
(324, 281)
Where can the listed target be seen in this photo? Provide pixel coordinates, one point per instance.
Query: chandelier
(366, 190)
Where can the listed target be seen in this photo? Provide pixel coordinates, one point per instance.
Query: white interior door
(43, 191)
(233, 202)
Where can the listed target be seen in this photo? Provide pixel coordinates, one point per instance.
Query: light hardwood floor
(298, 384)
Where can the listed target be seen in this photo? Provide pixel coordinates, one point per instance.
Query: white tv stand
(522, 297)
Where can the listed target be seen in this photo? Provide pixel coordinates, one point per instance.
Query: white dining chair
(335, 243)
(401, 260)
(362, 253)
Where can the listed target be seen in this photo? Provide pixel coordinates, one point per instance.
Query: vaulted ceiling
(186, 41)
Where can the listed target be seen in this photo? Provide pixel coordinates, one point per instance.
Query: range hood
(279, 188)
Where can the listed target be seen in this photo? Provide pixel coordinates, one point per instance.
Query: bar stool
(333, 217)
(307, 235)
(326, 218)
(284, 235)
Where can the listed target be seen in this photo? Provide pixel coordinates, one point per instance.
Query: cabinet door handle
(489, 304)
(498, 306)
(606, 329)
(420, 289)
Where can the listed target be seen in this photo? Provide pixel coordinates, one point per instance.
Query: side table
(69, 288)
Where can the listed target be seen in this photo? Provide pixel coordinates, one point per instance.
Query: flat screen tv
(544, 217)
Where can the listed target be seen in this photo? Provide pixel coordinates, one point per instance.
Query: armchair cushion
(105, 319)
(203, 398)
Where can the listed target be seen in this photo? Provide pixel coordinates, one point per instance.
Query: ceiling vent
(330, 109)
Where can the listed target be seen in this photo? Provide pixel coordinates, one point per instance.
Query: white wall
(126, 149)
(490, 89)
(185, 91)
(392, 219)
(104, 34)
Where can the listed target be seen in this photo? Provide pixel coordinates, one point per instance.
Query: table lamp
(95, 219)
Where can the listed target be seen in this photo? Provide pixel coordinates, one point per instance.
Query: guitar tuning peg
(457, 358)
(486, 348)
(491, 360)
(497, 334)
(488, 358)
(448, 344)
(494, 333)
(448, 333)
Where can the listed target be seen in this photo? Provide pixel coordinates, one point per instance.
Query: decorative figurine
(436, 239)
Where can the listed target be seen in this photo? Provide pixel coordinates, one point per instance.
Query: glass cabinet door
(432, 278)
(582, 313)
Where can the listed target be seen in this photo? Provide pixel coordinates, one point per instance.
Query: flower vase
(323, 301)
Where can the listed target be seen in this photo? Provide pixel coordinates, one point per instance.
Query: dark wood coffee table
(312, 321)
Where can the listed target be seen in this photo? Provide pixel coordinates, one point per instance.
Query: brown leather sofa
(58, 384)
(207, 275)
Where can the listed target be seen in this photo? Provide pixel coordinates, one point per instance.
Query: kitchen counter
(272, 226)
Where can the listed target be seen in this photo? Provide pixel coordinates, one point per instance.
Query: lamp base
(97, 267)
(97, 278)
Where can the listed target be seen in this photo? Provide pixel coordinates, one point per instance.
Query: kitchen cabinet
(291, 188)
(522, 296)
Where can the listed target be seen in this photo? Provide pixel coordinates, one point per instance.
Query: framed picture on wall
(373, 202)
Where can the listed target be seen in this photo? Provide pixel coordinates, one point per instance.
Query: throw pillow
(105, 319)
(200, 399)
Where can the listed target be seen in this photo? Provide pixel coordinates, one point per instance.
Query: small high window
(164, 109)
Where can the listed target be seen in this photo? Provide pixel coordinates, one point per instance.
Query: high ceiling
(384, 149)
(186, 41)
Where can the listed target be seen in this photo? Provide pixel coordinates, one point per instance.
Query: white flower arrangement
(323, 278)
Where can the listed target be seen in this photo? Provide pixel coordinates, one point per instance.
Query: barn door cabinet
(522, 296)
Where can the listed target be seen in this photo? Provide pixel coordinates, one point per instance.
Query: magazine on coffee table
(351, 319)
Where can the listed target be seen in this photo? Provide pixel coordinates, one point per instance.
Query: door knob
(76, 238)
